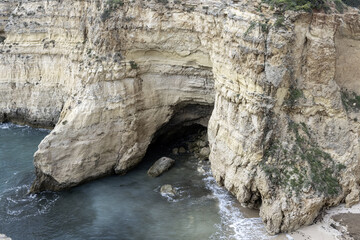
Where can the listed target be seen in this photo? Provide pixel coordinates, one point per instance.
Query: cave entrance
(187, 125)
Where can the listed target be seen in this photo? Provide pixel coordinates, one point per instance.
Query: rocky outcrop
(284, 133)
(160, 166)
(291, 148)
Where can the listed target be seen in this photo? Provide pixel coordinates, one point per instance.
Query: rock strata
(160, 166)
(107, 76)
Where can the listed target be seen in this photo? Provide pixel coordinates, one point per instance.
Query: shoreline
(328, 228)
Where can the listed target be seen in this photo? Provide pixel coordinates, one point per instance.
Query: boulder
(201, 143)
(204, 152)
(167, 189)
(182, 150)
(175, 151)
(160, 166)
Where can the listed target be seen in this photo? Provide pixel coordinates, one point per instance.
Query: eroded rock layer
(284, 133)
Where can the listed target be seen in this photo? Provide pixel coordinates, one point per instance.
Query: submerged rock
(167, 189)
(160, 166)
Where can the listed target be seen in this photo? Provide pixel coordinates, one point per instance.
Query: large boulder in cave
(160, 166)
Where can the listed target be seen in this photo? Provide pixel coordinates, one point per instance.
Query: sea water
(117, 207)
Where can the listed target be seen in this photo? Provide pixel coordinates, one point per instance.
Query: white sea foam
(24, 127)
(233, 223)
(5, 125)
(19, 204)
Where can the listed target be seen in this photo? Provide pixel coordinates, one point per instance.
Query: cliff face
(295, 150)
(38, 59)
(284, 132)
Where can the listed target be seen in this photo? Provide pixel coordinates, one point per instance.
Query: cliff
(109, 75)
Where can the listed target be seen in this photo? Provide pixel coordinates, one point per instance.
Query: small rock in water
(160, 166)
(167, 189)
(175, 151)
(182, 150)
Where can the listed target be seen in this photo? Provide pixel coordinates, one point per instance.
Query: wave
(17, 204)
(233, 223)
(23, 127)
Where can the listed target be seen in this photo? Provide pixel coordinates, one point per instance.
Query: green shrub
(264, 27)
(163, 1)
(350, 101)
(303, 165)
(111, 6)
(133, 65)
(296, 5)
(250, 28)
(294, 95)
(352, 3)
(279, 22)
(339, 6)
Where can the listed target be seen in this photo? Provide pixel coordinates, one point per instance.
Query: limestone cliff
(284, 132)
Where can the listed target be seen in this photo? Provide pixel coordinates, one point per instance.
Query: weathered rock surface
(284, 133)
(289, 146)
(199, 146)
(160, 166)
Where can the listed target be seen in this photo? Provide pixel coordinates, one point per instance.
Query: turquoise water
(116, 207)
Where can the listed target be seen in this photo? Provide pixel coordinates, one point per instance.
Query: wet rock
(201, 143)
(175, 151)
(167, 189)
(182, 150)
(204, 152)
(160, 166)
